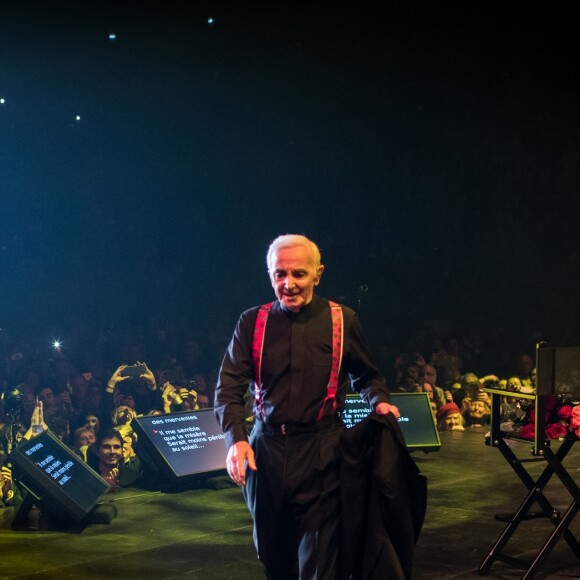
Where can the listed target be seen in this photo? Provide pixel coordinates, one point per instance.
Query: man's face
(110, 452)
(294, 276)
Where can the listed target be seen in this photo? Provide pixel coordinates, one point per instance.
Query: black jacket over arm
(384, 499)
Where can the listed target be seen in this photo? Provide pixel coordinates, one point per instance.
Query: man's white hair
(290, 241)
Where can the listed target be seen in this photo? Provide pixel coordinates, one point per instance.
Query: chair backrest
(558, 371)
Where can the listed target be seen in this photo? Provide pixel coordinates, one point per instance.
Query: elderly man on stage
(298, 356)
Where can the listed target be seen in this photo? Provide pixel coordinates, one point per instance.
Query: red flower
(565, 412)
(528, 431)
(555, 430)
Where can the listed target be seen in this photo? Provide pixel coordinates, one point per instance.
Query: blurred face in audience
(46, 395)
(126, 399)
(430, 374)
(452, 420)
(78, 386)
(86, 438)
(128, 450)
(94, 397)
(93, 422)
(129, 401)
(32, 380)
(123, 414)
(477, 409)
(525, 365)
(513, 384)
(411, 375)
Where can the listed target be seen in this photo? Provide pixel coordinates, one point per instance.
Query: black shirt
(296, 365)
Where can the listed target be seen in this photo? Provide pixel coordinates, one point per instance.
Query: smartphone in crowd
(133, 370)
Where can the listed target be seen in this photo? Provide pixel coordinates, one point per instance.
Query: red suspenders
(257, 349)
(337, 340)
(337, 345)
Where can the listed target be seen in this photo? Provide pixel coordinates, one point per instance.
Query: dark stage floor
(205, 534)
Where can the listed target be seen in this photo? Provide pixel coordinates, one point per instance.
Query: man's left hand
(386, 408)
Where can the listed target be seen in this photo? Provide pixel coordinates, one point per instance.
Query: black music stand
(558, 373)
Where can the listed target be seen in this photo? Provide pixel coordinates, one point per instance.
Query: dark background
(433, 154)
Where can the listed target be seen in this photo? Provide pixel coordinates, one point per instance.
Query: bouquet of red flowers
(561, 419)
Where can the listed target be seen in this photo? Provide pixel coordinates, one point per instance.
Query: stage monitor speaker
(56, 479)
(184, 446)
(416, 421)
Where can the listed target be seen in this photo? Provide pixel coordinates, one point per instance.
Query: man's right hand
(238, 454)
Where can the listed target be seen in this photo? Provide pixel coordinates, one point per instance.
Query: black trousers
(294, 500)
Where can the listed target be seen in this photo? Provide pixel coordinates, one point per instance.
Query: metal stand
(554, 466)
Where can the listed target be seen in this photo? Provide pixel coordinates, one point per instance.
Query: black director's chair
(558, 373)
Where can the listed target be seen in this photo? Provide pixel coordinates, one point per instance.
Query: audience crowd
(88, 389)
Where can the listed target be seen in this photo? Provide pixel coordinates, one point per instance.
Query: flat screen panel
(417, 422)
(65, 484)
(183, 444)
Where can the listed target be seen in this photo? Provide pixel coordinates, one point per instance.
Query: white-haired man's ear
(319, 272)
